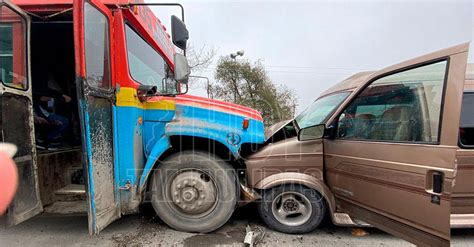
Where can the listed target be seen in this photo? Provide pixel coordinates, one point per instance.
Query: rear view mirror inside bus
(179, 32)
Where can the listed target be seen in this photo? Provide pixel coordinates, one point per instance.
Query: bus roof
(144, 16)
(68, 2)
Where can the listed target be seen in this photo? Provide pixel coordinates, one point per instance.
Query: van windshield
(320, 109)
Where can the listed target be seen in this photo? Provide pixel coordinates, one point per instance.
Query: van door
(392, 161)
(92, 36)
(16, 109)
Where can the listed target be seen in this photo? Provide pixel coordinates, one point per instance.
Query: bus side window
(12, 49)
(466, 125)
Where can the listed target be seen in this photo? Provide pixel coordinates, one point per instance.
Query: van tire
(198, 192)
(271, 208)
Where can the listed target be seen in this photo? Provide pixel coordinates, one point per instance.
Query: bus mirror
(181, 68)
(179, 32)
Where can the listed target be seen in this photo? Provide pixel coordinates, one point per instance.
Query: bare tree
(199, 61)
(200, 58)
(245, 83)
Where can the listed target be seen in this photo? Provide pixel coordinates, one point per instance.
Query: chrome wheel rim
(193, 193)
(292, 208)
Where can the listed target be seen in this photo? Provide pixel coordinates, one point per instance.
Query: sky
(311, 45)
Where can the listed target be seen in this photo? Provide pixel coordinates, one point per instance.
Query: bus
(93, 94)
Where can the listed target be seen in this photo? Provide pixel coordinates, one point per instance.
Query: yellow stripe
(127, 96)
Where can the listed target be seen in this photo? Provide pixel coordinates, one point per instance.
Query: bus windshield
(146, 65)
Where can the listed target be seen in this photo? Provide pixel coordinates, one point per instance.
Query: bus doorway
(57, 102)
(39, 111)
(56, 119)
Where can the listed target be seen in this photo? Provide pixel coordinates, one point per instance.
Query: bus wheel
(194, 191)
(293, 209)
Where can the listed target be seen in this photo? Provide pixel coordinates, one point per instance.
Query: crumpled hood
(270, 131)
(218, 105)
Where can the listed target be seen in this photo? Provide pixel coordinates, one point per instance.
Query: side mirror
(172, 87)
(330, 132)
(179, 32)
(311, 133)
(181, 68)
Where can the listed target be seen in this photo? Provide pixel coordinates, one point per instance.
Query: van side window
(466, 125)
(12, 49)
(401, 107)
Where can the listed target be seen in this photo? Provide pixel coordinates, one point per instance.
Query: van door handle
(437, 182)
(434, 185)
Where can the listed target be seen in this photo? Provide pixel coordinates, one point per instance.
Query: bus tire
(292, 209)
(194, 191)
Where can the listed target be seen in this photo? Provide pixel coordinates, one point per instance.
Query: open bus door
(92, 21)
(16, 109)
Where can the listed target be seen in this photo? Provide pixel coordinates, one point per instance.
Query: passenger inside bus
(52, 67)
(50, 127)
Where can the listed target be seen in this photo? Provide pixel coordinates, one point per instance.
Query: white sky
(311, 45)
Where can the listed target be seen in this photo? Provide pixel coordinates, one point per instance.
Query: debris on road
(359, 232)
(300, 238)
(253, 237)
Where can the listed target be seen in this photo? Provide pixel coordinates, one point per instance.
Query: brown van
(380, 148)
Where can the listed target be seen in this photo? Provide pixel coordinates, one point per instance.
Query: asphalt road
(146, 230)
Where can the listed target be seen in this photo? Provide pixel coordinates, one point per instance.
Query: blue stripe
(90, 171)
(158, 125)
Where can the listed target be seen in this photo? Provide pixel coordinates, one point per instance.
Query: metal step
(343, 219)
(71, 192)
(67, 208)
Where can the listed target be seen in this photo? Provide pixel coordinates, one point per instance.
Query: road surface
(147, 230)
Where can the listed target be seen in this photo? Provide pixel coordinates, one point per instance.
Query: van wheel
(194, 191)
(293, 209)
